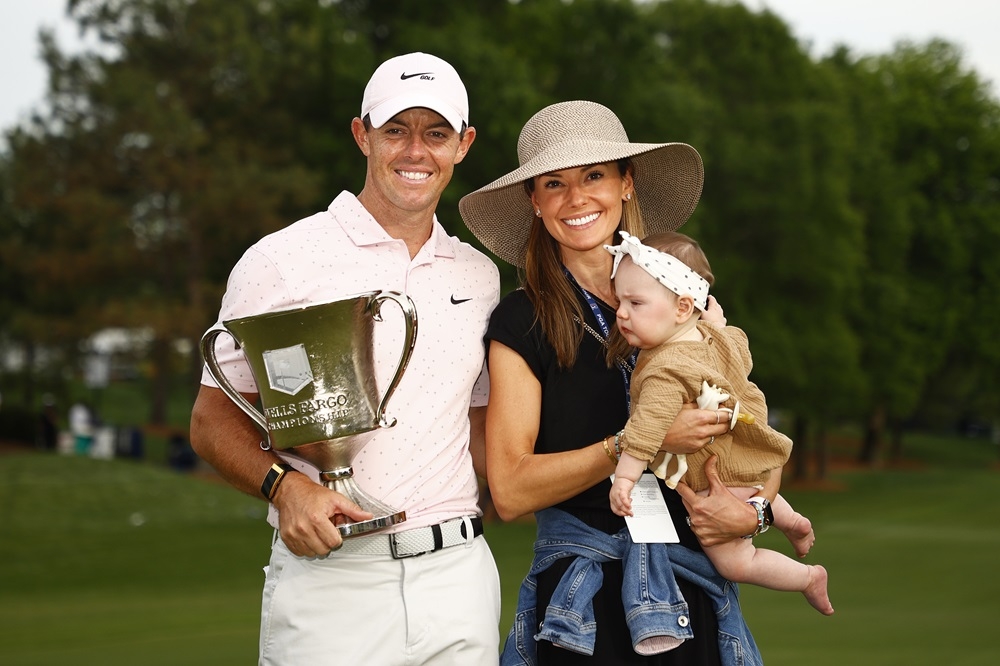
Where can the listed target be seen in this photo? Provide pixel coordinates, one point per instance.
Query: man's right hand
(308, 514)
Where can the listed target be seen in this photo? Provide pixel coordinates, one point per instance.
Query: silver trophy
(314, 370)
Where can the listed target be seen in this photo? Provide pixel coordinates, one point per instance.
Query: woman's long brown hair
(557, 309)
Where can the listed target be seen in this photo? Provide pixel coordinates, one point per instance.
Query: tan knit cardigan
(667, 376)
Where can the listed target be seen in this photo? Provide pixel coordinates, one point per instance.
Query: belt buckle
(396, 555)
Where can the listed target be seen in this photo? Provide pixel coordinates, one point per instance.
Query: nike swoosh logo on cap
(456, 301)
(404, 75)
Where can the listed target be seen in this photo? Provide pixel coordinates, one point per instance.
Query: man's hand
(719, 516)
(308, 514)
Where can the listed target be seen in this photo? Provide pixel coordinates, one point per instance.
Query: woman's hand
(719, 516)
(694, 429)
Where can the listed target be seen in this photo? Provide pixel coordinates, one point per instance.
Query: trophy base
(342, 482)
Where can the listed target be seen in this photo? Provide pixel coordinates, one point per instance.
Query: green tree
(849, 209)
(774, 216)
(163, 162)
(925, 176)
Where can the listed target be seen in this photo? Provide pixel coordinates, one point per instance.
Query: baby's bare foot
(816, 593)
(801, 535)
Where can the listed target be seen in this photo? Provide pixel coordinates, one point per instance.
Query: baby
(662, 286)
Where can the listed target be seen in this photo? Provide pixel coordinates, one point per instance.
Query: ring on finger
(718, 417)
(688, 519)
(710, 441)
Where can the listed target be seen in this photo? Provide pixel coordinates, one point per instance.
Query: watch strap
(765, 517)
(768, 513)
(274, 477)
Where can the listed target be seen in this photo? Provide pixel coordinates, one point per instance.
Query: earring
(538, 212)
(628, 197)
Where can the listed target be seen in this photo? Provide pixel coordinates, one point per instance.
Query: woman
(555, 404)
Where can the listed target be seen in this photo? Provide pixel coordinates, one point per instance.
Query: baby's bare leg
(740, 561)
(796, 527)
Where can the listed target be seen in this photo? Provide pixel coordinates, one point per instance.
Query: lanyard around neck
(626, 366)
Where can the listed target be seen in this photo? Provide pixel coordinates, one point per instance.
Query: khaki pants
(438, 608)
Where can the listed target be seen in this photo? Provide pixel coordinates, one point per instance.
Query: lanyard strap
(592, 302)
(627, 365)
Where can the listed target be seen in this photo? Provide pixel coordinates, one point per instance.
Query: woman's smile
(581, 221)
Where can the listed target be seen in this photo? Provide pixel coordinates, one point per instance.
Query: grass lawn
(118, 562)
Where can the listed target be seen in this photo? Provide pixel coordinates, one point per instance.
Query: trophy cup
(314, 370)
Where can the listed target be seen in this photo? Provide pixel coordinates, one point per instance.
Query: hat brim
(382, 113)
(668, 181)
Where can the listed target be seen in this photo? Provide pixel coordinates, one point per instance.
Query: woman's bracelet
(607, 449)
(618, 442)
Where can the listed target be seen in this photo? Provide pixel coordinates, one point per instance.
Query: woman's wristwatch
(765, 516)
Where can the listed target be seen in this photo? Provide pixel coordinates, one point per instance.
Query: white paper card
(650, 522)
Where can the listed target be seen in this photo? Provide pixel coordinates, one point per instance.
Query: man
(367, 599)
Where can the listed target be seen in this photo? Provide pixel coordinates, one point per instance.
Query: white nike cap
(416, 80)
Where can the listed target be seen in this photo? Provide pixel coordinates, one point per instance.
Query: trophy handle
(212, 363)
(410, 314)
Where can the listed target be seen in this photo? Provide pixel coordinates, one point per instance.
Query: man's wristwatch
(765, 516)
(274, 477)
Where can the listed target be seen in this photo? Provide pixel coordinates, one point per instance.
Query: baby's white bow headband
(665, 268)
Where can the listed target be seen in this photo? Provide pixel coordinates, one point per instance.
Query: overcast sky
(868, 26)
(874, 26)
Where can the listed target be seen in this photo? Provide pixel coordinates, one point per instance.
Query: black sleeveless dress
(579, 406)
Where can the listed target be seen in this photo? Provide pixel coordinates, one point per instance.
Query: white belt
(418, 541)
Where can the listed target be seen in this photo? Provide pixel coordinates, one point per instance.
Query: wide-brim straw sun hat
(668, 177)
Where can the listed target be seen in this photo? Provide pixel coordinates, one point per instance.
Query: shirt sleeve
(661, 394)
(742, 344)
(255, 286)
(513, 325)
(481, 390)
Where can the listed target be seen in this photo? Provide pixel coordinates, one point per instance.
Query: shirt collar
(365, 230)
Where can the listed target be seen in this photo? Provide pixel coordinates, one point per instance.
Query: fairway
(120, 563)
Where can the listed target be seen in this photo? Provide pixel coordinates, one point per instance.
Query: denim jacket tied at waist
(654, 606)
